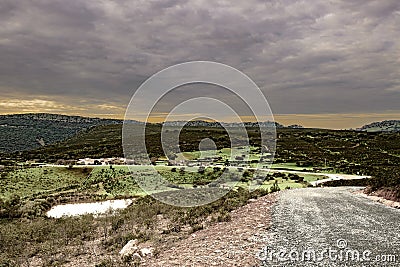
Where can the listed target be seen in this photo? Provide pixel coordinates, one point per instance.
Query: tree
(275, 187)
(201, 170)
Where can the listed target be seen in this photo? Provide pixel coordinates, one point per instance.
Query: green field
(28, 182)
(118, 181)
(225, 153)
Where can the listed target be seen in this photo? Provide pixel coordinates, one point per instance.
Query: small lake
(97, 208)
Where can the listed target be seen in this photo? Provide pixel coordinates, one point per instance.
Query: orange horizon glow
(115, 110)
(329, 121)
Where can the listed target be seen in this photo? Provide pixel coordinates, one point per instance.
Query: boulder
(129, 249)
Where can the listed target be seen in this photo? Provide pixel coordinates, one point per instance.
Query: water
(96, 208)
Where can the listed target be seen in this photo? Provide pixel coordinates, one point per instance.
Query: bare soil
(233, 243)
(386, 193)
(384, 196)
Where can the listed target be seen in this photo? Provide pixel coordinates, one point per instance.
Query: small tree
(275, 187)
(201, 170)
(216, 169)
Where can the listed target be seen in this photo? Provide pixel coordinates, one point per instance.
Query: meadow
(65, 183)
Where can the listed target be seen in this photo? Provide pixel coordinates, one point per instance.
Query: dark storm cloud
(307, 56)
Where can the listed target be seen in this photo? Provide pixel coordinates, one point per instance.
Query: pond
(97, 208)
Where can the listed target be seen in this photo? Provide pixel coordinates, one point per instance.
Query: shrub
(275, 187)
(196, 227)
(224, 216)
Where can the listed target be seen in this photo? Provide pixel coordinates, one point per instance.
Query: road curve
(331, 227)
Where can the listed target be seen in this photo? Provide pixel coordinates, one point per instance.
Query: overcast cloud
(306, 56)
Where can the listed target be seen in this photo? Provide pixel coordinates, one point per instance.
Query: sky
(330, 64)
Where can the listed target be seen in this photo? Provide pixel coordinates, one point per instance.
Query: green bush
(275, 187)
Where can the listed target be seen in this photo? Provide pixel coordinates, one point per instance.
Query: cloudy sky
(319, 63)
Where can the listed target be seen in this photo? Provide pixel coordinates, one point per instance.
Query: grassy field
(28, 182)
(224, 153)
(119, 182)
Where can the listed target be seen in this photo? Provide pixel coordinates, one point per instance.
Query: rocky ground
(233, 243)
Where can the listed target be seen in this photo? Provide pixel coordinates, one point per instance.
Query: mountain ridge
(382, 126)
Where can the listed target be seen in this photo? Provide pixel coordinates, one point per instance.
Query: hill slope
(353, 152)
(382, 126)
(24, 132)
(20, 132)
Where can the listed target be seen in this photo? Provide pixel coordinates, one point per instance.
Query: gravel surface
(335, 221)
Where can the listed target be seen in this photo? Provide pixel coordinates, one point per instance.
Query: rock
(136, 256)
(129, 249)
(146, 252)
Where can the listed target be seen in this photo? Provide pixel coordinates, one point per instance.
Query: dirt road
(331, 227)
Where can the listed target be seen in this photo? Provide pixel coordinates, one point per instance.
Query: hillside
(20, 132)
(24, 132)
(352, 152)
(106, 141)
(96, 142)
(382, 126)
(349, 151)
(366, 152)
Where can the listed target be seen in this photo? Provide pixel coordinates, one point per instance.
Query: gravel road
(335, 224)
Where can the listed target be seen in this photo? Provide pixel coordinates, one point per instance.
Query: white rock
(129, 249)
(146, 252)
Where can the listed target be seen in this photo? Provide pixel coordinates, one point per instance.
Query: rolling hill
(347, 151)
(24, 132)
(20, 132)
(382, 126)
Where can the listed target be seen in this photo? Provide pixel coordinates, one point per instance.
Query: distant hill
(382, 126)
(19, 132)
(96, 142)
(295, 126)
(24, 132)
(217, 124)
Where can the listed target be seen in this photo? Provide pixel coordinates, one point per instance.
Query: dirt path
(331, 176)
(323, 220)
